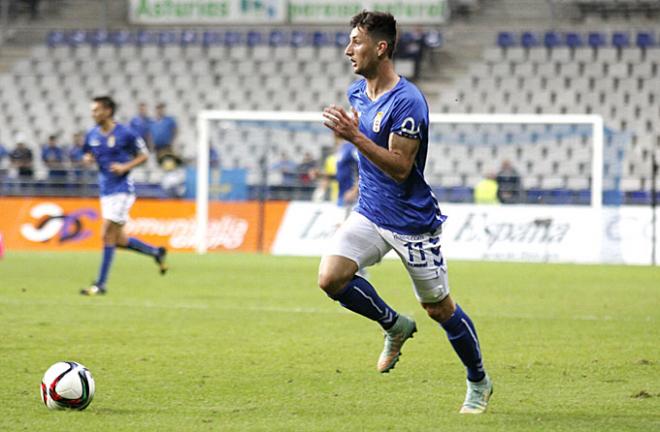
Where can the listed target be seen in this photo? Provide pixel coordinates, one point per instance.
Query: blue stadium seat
(146, 37)
(98, 37)
(620, 39)
(433, 39)
(551, 39)
(596, 39)
(298, 38)
(167, 37)
(441, 193)
(341, 38)
(233, 38)
(645, 39)
(188, 37)
(529, 40)
(320, 38)
(55, 37)
(574, 40)
(254, 38)
(640, 197)
(506, 39)
(211, 38)
(277, 38)
(76, 37)
(121, 37)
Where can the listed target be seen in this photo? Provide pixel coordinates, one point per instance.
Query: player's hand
(341, 123)
(118, 168)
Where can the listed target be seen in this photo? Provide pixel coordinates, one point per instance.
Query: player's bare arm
(123, 168)
(396, 161)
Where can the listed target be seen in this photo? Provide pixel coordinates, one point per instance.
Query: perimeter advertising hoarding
(165, 12)
(75, 224)
(336, 12)
(500, 233)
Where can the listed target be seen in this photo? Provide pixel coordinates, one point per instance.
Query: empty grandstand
(506, 56)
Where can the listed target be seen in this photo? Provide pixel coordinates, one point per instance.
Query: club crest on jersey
(408, 127)
(111, 141)
(377, 120)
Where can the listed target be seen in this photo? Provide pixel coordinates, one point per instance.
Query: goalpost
(263, 118)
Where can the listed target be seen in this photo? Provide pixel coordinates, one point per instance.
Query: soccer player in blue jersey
(396, 208)
(346, 157)
(117, 150)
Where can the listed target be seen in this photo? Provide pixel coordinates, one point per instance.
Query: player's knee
(440, 311)
(331, 283)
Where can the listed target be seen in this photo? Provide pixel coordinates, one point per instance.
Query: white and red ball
(67, 385)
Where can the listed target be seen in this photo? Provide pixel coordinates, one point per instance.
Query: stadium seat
(56, 37)
(210, 38)
(188, 37)
(320, 39)
(529, 40)
(620, 39)
(552, 39)
(505, 39)
(596, 39)
(254, 38)
(645, 39)
(573, 40)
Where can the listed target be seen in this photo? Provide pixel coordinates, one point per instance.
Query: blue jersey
(347, 166)
(121, 145)
(408, 207)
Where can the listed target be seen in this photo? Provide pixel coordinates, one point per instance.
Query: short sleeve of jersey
(136, 143)
(409, 117)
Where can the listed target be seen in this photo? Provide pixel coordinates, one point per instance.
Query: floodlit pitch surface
(247, 342)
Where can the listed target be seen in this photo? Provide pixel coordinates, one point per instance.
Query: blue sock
(361, 297)
(463, 337)
(142, 247)
(108, 253)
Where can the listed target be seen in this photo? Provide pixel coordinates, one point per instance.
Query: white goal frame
(204, 117)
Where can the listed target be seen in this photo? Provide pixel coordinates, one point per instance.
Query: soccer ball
(67, 385)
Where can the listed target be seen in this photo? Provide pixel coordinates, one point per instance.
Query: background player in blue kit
(396, 208)
(346, 158)
(117, 150)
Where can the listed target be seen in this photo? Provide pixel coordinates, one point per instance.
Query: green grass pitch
(236, 342)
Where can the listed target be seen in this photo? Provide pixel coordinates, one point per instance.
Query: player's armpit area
(406, 150)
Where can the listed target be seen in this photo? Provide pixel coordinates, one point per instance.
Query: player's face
(100, 113)
(363, 52)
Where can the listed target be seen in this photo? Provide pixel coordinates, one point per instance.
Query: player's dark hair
(107, 102)
(379, 26)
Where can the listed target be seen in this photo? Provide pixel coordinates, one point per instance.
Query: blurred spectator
(76, 154)
(163, 130)
(141, 124)
(33, 6)
(508, 184)
(21, 159)
(288, 168)
(214, 157)
(174, 179)
(307, 169)
(53, 157)
(485, 192)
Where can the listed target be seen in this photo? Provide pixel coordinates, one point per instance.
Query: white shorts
(115, 207)
(365, 243)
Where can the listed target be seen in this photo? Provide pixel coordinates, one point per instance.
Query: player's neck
(384, 80)
(107, 126)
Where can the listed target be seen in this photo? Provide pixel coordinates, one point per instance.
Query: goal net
(559, 159)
